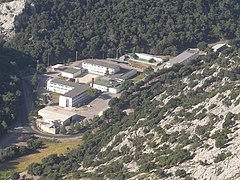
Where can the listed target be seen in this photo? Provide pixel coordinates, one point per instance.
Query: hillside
(12, 62)
(185, 124)
(115, 27)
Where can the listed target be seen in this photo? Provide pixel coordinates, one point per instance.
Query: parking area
(97, 106)
(87, 78)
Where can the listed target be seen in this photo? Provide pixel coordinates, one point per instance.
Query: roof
(71, 70)
(57, 65)
(55, 113)
(108, 82)
(63, 82)
(128, 75)
(78, 89)
(218, 46)
(103, 63)
(81, 88)
(183, 56)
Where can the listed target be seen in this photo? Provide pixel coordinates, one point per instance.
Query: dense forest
(107, 28)
(12, 62)
(176, 115)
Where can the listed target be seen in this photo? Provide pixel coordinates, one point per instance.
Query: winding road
(22, 128)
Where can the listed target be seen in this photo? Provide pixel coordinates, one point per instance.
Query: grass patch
(54, 96)
(139, 77)
(20, 164)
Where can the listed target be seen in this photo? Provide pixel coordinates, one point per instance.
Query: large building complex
(184, 58)
(73, 94)
(100, 67)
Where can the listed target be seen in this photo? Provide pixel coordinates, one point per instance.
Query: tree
(148, 70)
(180, 173)
(63, 129)
(202, 45)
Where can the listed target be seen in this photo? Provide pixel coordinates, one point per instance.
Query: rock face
(8, 12)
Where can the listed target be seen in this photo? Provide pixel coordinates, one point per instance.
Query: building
(72, 94)
(100, 67)
(106, 84)
(76, 97)
(57, 116)
(60, 86)
(71, 73)
(149, 57)
(220, 47)
(121, 77)
(47, 127)
(183, 58)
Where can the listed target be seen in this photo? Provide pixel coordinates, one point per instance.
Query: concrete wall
(101, 70)
(69, 75)
(58, 88)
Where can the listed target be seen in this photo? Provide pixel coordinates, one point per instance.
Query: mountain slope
(108, 28)
(185, 124)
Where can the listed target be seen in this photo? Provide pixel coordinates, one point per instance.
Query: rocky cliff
(8, 13)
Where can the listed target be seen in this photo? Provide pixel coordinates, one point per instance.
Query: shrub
(180, 173)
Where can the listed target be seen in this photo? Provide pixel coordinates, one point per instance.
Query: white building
(184, 58)
(100, 67)
(54, 115)
(71, 73)
(220, 47)
(60, 86)
(76, 97)
(73, 94)
(106, 84)
(148, 57)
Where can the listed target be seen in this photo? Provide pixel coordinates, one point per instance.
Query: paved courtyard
(97, 106)
(86, 78)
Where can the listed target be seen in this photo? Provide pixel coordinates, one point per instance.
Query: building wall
(58, 88)
(101, 70)
(69, 75)
(100, 87)
(47, 128)
(73, 102)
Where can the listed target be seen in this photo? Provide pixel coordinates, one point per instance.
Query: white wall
(100, 87)
(63, 101)
(69, 75)
(58, 88)
(101, 70)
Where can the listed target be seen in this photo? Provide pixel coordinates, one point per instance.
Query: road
(21, 130)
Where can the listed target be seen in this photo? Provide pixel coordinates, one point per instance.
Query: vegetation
(12, 62)
(111, 28)
(146, 98)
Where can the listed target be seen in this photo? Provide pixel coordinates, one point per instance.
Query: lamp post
(76, 55)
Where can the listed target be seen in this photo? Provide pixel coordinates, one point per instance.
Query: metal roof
(183, 56)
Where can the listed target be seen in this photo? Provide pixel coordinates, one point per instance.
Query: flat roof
(81, 88)
(55, 113)
(104, 63)
(183, 56)
(108, 82)
(63, 82)
(78, 88)
(71, 70)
